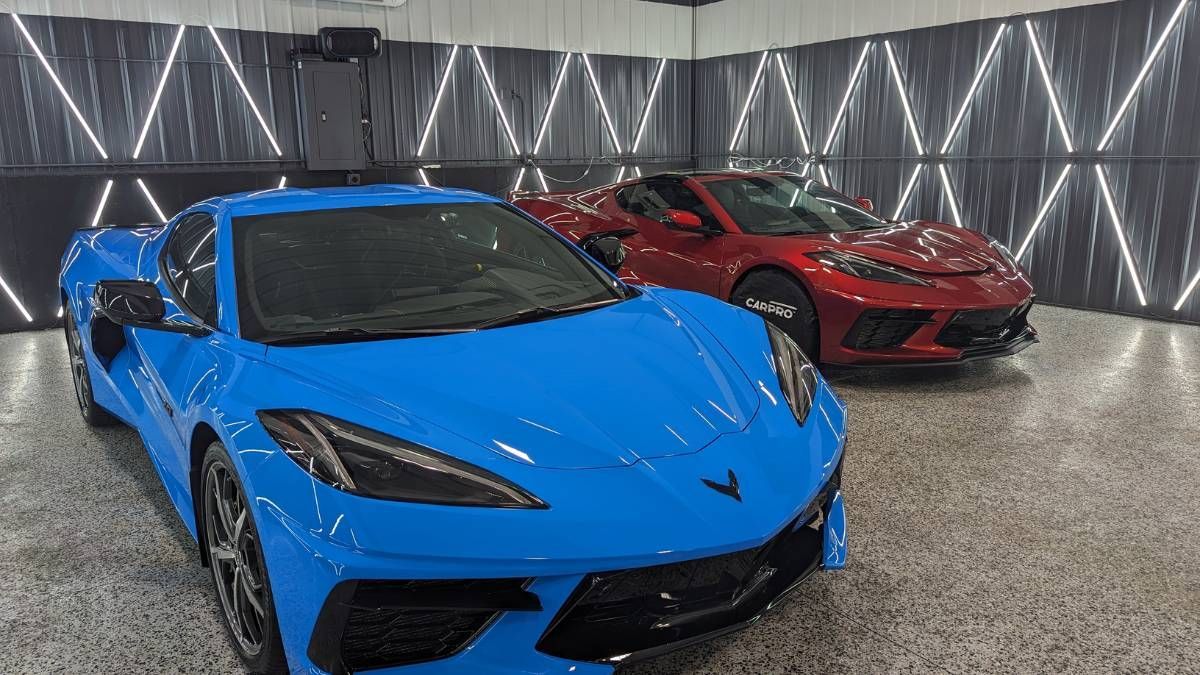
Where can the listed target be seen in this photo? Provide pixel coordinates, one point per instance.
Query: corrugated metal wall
(1009, 152)
(205, 139)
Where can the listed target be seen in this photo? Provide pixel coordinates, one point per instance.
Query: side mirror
(608, 250)
(138, 304)
(681, 220)
(866, 203)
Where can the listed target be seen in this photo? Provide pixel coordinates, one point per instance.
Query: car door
(664, 256)
(175, 366)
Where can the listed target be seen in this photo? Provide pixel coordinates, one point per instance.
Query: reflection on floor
(1033, 513)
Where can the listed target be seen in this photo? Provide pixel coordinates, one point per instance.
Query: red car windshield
(778, 205)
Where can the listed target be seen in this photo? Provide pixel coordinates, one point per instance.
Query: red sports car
(851, 287)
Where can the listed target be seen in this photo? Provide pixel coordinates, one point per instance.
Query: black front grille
(377, 624)
(984, 327)
(629, 615)
(880, 328)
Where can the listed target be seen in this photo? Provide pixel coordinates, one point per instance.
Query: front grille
(880, 328)
(984, 327)
(377, 624)
(632, 614)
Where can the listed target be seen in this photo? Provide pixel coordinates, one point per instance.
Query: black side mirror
(608, 250)
(138, 304)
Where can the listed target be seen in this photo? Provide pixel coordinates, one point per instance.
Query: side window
(191, 262)
(651, 198)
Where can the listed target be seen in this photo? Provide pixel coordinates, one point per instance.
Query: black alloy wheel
(92, 413)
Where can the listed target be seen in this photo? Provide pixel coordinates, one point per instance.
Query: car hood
(931, 248)
(598, 389)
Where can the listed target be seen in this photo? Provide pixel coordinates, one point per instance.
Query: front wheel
(777, 297)
(235, 558)
(92, 413)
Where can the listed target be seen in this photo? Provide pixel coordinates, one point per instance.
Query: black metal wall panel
(1009, 152)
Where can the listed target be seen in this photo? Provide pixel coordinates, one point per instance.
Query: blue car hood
(602, 388)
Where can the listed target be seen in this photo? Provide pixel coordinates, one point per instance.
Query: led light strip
(620, 175)
(558, 80)
(282, 183)
(13, 297)
(1141, 77)
(162, 83)
(1116, 222)
(150, 198)
(542, 179)
(103, 200)
(61, 89)
(1187, 292)
(1045, 210)
(641, 128)
(950, 196)
(1044, 69)
(424, 177)
(520, 178)
(909, 188)
(824, 174)
(741, 123)
(845, 104)
(898, 78)
(487, 79)
(791, 96)
(608, 123)
(983, 69)
(437, 100)
(245, 92)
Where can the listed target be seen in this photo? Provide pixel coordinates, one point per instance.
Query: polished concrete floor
(1036, 513)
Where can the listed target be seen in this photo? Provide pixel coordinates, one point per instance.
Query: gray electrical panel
(331, 115)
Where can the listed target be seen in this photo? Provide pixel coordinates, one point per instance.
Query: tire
(230, 539)
(91, 411)
(777, 297)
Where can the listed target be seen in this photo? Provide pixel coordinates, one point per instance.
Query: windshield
(776, 205)
(363, 272)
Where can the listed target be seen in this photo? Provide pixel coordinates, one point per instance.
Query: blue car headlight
(354, 459)
(797, 375)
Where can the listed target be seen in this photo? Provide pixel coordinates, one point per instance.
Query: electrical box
(331, 115)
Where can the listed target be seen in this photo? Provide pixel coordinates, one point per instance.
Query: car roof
(279, 200)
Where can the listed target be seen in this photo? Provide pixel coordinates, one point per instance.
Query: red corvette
(849, 286)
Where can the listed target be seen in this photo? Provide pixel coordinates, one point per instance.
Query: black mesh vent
(880, 328)
(984, 327)
(392, 637)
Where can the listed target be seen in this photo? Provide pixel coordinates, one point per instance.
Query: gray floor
(1037, 513)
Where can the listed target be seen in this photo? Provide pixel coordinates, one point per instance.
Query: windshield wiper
(350, 334)
(540, 312)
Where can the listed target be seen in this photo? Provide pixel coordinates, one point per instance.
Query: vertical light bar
(1116, 222)
(520, 179)
(641, 128)
(824, 174)
(845, 104)
(245, 92)
(541, 178)
(791, 97)
(103, 200)
(437, 100)
(898, 78)
(558, 80)
(1187, 292)
(620, 175)
(487, 79)
(637, 171)
(950, 196)
(1044, 69)
(737, 130)
(423, 176)
(13, 297)
(282, 183)
(150, 198)
(62, 90)
(1141, 77)
(1045, 210)
(608, 123)
(983, 69)
(162, 83)
(909, 188)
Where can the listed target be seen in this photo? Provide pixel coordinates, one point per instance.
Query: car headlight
(865, 268)
(797, 375)
(365, 462)
(1004, 253)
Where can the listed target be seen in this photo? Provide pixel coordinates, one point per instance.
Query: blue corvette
(414, 429)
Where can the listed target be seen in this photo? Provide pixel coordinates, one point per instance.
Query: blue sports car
(415, 429)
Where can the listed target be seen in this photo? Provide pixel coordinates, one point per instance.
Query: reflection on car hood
(601, 388)
(919, 246)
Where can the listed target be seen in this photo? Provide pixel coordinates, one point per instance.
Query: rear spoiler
(131, 226)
